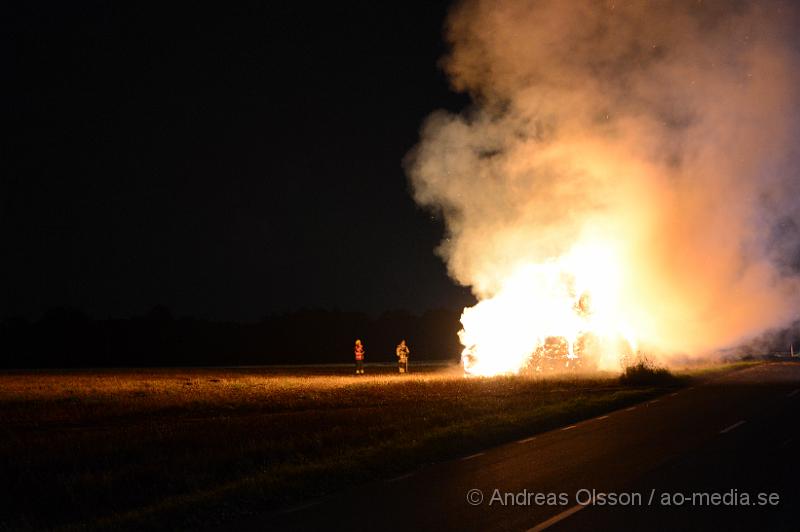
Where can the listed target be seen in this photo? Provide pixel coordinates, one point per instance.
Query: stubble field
(186, 448)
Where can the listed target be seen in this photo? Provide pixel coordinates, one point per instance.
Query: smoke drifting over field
(666, 131)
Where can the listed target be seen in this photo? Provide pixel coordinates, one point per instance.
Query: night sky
(227, 162)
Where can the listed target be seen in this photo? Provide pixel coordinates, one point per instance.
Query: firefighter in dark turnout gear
(402, 356)
(359, 352)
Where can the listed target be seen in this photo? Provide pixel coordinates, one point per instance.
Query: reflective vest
(402, 353)
(359, 352)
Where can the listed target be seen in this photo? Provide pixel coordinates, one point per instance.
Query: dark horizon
(66, 338)
(228, 163)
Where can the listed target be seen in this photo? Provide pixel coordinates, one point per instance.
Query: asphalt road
(723, 454)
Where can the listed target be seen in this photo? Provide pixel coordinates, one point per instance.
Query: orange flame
(575, 295)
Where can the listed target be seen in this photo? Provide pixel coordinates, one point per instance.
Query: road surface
(722, 454)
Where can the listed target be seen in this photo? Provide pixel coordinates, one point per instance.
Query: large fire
(625, 178)
(574, 297)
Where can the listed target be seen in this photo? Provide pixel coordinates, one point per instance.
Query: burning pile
(626, 176)
(548, 315)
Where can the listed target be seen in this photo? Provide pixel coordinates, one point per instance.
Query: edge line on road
(556, 518)
(401, 477)
(732, 427)
(570, 427)
(526, 440)
(470, 457)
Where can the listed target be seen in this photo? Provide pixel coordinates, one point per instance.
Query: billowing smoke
(666, 131)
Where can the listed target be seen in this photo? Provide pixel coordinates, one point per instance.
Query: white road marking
(673, 394)
(653, 401)
(735, 425)
(401, 477)
(470, 457)
(556, 518)
(526, 440)
(793, 393)
(631, 408)
(570, 427)
(601, 417)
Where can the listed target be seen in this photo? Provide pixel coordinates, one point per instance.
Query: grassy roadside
(191, 448)
(295, 481)
(705, 372)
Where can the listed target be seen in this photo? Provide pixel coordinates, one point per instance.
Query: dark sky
(228, 162)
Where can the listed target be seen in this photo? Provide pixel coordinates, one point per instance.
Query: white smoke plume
(668, 129)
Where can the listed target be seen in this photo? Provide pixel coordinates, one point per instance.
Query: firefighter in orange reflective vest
(402, 356)
(359, 351)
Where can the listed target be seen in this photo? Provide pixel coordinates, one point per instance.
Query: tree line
(68, 338)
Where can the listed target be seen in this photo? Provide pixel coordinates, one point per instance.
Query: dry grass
(133, 447)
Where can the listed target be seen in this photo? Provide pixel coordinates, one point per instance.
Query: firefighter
(402, 356)
(359, 351)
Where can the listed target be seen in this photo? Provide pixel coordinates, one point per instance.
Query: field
(186, 448)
